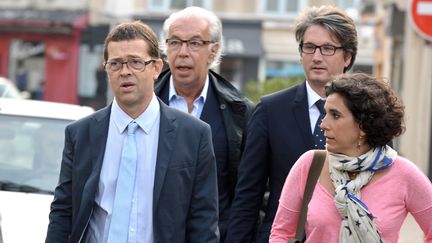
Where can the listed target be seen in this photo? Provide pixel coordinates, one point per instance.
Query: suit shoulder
(186, 119)
(284, 95)
(97, 115)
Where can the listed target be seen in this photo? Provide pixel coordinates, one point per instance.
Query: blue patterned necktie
(119, 228)
(318, 134)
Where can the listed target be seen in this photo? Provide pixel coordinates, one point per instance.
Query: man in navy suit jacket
(175, 195)
(281, 127)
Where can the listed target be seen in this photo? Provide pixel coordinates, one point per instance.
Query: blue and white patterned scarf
(357, 222)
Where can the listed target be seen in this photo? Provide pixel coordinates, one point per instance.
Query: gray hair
(335, 21)
(214, 22)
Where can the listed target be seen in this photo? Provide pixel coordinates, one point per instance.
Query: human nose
(317, 54)
(125, 70)
(184, 48)
(324, 124)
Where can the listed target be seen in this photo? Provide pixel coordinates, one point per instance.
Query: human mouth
(127, 86)
(183, 70)
(315, 68)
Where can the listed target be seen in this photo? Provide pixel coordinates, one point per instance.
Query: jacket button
(222, 106)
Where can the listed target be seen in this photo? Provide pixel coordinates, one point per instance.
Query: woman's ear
(362, 135)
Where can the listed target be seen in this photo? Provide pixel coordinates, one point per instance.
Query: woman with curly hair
(365, 189)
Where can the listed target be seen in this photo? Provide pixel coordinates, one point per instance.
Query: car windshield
(30, 153)
(8, 90)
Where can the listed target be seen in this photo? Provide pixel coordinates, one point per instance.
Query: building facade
(55, 46)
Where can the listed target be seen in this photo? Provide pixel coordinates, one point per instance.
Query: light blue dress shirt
(179, 102)
(147, 137)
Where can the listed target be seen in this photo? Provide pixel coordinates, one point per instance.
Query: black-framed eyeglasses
(135, 64)
(192, 44)
(326, 50)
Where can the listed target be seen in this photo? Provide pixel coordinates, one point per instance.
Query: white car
(8, 89)
(31, 143)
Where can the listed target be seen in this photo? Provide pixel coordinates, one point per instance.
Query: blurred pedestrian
(365, 189)
(100, 98)
(193, 45)
(286, 124)
(137, 170)
(21, 76)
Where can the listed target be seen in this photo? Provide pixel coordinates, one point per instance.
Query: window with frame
(165, 5)
(281, 7)
(276, 68)
(346, 4)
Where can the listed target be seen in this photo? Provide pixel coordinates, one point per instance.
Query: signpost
(420, 13)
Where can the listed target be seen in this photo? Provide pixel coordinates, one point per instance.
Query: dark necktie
(318, 134)
(119, 227)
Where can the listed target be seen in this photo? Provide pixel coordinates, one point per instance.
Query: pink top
(403, 189)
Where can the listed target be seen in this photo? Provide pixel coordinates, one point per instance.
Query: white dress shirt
(314, 113)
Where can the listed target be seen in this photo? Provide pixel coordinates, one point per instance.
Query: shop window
(165, 5)
(27, 65)
(281, 7)
(283, 69)
(92, 79)
(346, 4)
(365, 68)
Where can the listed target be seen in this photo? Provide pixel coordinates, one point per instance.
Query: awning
(242, 38)
(42, 21)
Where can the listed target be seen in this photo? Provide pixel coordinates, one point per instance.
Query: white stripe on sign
(424, 8)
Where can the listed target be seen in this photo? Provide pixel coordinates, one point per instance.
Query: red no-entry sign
(420, 12)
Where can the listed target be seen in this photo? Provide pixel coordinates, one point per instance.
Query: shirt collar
(311, 95)
(146, 120)
(173, 93)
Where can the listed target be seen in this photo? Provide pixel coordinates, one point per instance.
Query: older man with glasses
(193, 43)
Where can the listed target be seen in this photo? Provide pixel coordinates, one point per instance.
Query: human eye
(195, 43)
(328, 48)
(335, 115)
(114, 64)
(136, 63)
(174, 42)
(308, 47)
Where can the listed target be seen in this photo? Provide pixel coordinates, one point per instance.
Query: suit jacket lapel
(98, 130)
(167, 134)
(301, 114)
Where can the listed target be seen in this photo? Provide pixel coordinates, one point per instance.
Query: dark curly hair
(374, 105)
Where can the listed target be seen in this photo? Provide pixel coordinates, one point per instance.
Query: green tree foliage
(254, 89)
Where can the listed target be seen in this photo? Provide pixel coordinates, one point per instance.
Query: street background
(52, 49)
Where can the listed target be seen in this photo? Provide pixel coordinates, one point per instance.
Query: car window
(8, 90)
(31, 150)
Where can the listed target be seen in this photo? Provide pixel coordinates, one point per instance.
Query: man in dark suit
(193, 45)
(174, 195)
(281, 127)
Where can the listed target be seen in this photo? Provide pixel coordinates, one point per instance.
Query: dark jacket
(185, 174)
(235, 111)
(278, 133)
